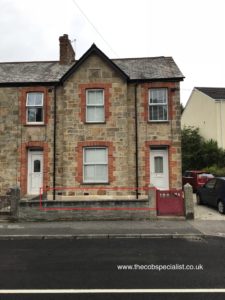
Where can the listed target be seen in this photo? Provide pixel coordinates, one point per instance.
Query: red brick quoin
(82, 94)
(111, 159)
(23, 150)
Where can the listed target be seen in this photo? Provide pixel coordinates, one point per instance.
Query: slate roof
(31, 72)
(149, 68)
(215, 93)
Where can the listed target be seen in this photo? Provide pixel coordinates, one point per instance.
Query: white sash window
(158, 105)
(95, 165)
(95, 110)
(34, 108)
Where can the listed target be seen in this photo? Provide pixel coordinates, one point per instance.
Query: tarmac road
(93, 264)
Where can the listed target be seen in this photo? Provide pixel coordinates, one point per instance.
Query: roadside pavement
(113, 229)
(207, 222)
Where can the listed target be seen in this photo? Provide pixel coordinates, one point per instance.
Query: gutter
(28, 84)
(144, 80)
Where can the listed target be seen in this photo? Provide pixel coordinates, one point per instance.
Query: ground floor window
(95, 165)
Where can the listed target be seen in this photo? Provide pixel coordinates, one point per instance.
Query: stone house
(210, 101)
(94, 122)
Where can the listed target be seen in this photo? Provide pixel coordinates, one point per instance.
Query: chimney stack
(67, 54)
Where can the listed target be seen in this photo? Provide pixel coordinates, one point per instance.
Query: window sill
(159, 122)
(34, 125)
(93, 123)
(95, 183)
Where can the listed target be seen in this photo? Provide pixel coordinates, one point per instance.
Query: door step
(30, 198)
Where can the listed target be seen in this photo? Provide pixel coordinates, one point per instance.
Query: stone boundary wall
(66, 210)
(9, 204)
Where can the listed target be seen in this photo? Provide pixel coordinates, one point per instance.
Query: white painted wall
(220, 117)
(207, 114)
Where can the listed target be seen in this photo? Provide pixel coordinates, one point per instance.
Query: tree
(197, 153)
(192, 144)
(212, 155)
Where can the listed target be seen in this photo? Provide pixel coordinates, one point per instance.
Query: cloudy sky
(191, 31)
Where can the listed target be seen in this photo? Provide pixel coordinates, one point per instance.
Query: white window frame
(96, 105)
(35, 106)
(104, 163)
(159, 105)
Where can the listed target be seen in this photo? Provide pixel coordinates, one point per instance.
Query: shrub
(216, 171)
(198, 154)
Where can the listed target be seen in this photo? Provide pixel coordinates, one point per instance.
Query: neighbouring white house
(205, 109)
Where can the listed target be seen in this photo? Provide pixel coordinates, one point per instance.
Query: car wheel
(199, 200)
(221, 207)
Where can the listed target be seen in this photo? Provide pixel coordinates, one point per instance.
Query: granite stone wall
(9, 138)
(117, 133)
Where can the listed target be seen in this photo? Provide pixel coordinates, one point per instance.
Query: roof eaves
(211, 92)
(175, 79)
(19, 84)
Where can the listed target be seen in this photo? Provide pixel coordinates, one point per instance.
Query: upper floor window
(158, 105)
(95, 164)
(95, 106)
(34, 108)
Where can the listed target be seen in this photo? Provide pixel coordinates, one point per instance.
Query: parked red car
(196, 178)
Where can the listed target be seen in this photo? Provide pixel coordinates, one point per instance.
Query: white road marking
(14, 226)
(109, 291)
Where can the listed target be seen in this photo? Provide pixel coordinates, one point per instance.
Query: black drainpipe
(54, 143)
(136, 142)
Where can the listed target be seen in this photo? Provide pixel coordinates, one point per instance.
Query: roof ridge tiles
(27, 62)
(145, 57)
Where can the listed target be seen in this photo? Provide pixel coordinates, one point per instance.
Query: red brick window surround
(23, 154)
(146, 92)
(24, 105)
(84, 92)
(81, 147)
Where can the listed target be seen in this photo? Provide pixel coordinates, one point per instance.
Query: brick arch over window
(111, 159)
(82, 94)
(23, 156)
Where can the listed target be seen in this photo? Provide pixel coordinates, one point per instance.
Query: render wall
(200, 112)
(220, 123)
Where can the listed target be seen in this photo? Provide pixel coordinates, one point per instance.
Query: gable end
(93, 50)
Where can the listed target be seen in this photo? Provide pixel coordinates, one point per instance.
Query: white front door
(35, 172)
(159, 174)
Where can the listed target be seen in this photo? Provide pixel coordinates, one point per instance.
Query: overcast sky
(191, 31)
